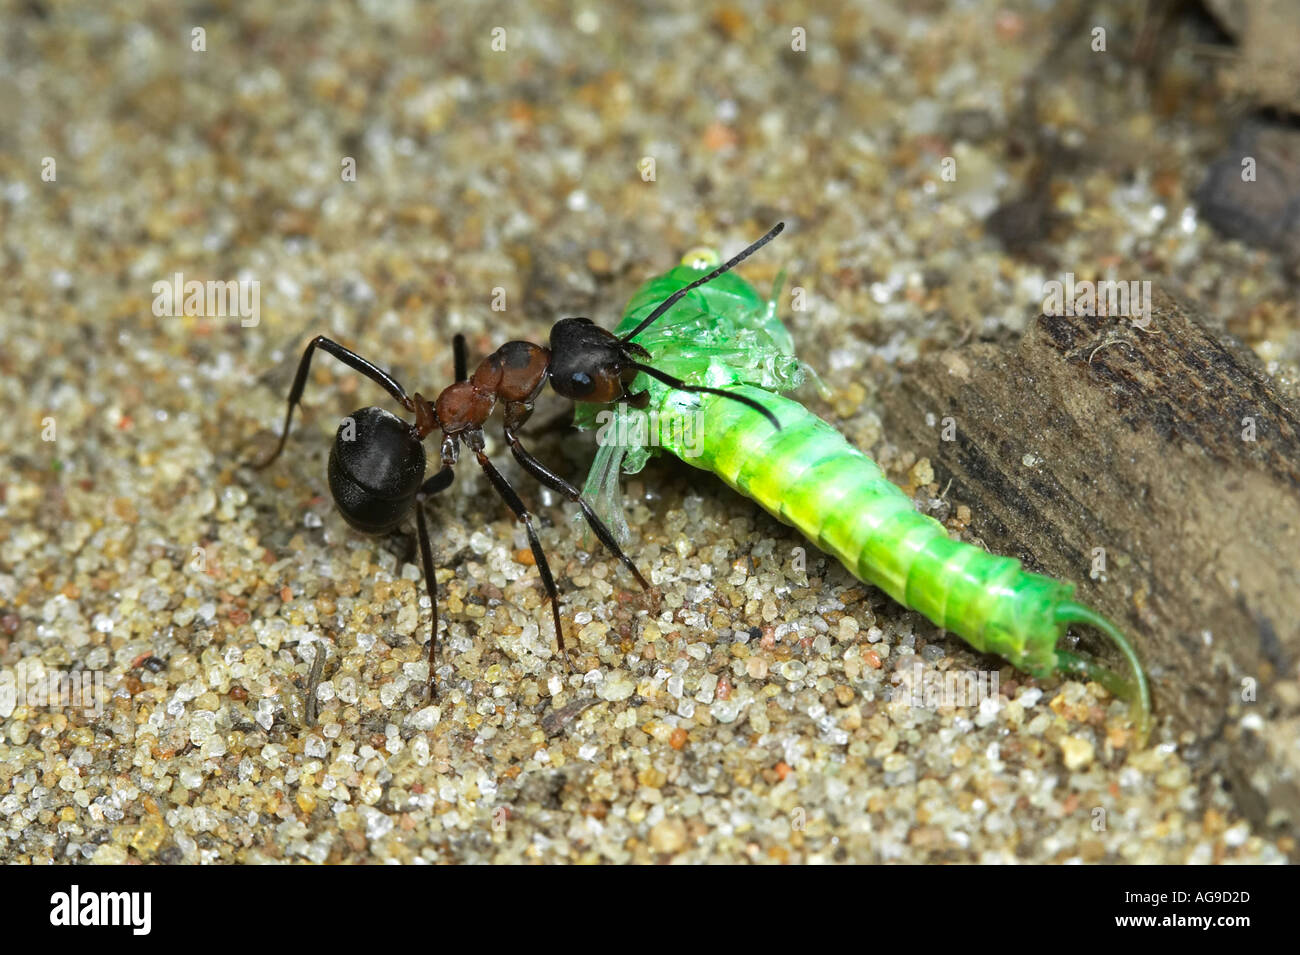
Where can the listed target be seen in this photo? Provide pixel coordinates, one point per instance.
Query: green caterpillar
(725, 335)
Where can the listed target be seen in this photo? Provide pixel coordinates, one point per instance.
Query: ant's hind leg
(349, 358)
(433, 485)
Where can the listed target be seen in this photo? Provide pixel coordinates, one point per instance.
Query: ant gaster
(377, 464)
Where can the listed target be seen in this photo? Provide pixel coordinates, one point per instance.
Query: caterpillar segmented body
(806, 474)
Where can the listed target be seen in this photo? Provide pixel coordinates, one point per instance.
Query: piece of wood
(1263, 68)
(1166, 456)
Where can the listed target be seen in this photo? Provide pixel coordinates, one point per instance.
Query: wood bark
(1159, 469)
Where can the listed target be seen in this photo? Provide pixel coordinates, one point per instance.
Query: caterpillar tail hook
(1136, 690)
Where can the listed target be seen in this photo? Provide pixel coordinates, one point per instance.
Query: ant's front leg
(349, 358)
(516, 414)
(515, 504)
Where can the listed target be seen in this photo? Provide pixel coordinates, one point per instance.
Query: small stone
(617, 686)
(668, 836)
(378, 824)
(1077, 752)
(149, 837)
(109, 854)
(793, 670)
(426, 718)
(725, 711)
(652, 778)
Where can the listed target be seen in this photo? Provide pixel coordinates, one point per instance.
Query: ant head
(375, 469)
(587, 362)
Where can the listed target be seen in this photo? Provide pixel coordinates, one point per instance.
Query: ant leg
(438, 482)
(461, 358)
(557, 483)
(349, 358)
(512, 499)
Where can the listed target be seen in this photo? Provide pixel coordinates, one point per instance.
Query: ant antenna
(680, 385)
(673, 299)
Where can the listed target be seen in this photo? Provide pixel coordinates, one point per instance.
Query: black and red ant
(377, 464)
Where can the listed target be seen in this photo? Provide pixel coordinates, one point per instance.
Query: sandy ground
(743, 713)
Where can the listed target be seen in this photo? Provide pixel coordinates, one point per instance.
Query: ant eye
(580, 383)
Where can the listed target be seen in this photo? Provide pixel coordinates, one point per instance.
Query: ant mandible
(377, 464)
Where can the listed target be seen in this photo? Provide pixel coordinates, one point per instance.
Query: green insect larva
(807, 475)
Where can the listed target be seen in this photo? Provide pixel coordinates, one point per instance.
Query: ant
(377, 463)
